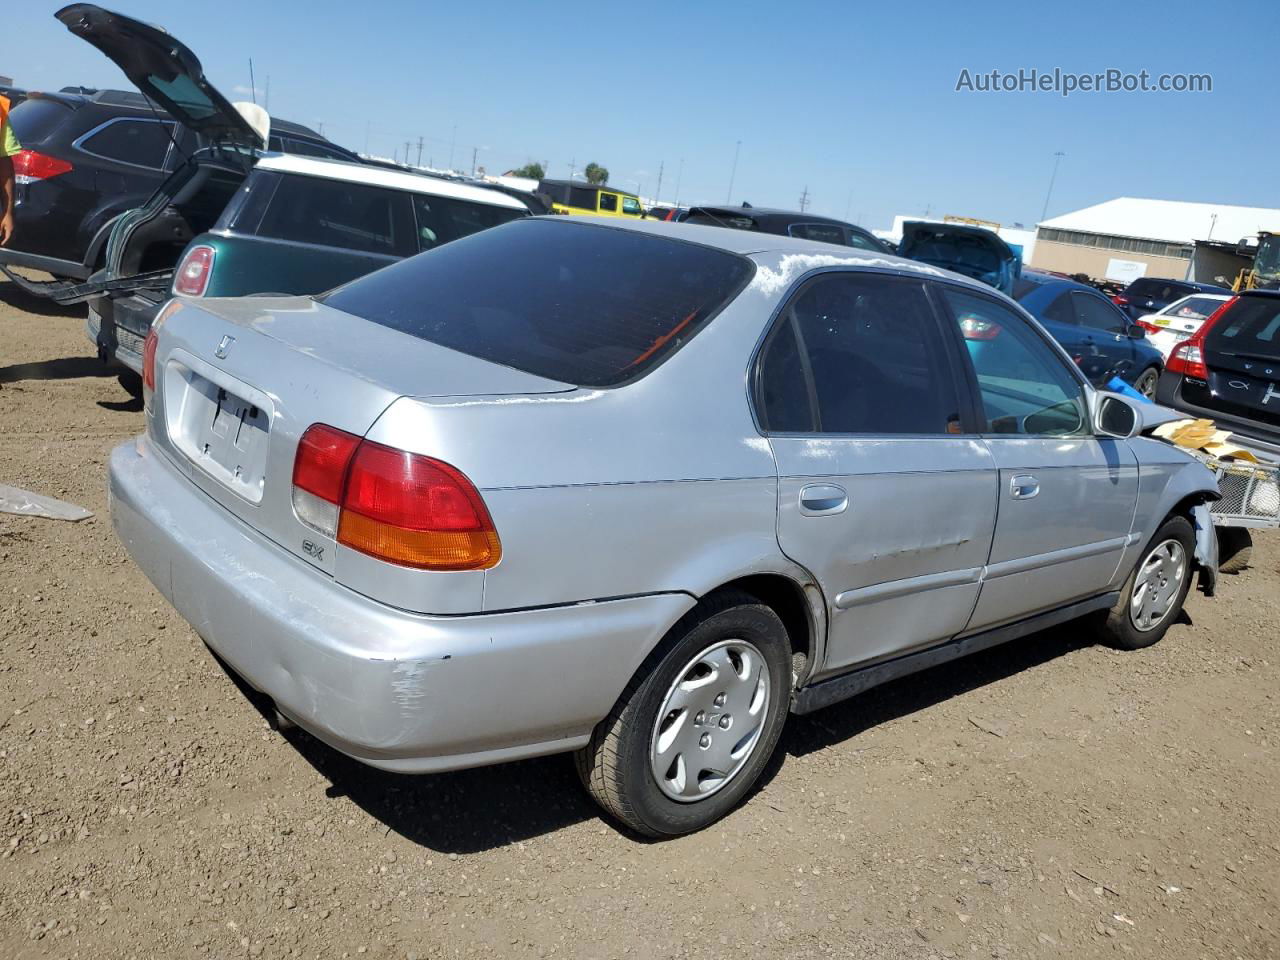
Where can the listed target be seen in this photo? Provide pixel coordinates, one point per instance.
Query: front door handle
(1024, 487)
(823, 500)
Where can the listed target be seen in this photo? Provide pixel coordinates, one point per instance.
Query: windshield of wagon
(578, 303)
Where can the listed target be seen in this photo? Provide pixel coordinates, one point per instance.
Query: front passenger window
(1026, 388)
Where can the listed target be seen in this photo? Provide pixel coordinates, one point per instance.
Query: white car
(1169, 327)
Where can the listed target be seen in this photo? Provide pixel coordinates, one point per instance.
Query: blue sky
(854, 101)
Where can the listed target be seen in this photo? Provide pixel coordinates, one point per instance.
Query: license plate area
(223, 428)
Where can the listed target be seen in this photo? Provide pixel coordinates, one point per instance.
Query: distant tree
(596, 174)
(533, 170)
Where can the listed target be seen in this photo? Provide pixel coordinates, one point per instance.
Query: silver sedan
(637, 491)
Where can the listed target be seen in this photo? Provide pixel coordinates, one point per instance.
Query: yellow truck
(575, 196)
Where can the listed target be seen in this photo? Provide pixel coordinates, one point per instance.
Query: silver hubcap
(710, 721)
(1157, 585)
(1147, 383)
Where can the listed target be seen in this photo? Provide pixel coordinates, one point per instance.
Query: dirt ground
(1048, 799)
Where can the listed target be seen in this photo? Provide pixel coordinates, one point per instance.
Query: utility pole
(320, 125)
(734, 172)
(679, 177)
(406, 153)
(474, 151)
(419, 151)
(253, 87)
(658, 193)
(573, 165)
(804, 199)
(1057, 158)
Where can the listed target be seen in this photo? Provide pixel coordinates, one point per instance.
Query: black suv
(90, 156)
(1229, 371)
(1152, 294)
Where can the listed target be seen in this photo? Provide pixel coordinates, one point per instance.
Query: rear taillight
(1120, 300)
(1149, 327)
(192, 276)
(1187, 358)
(30, 166)
(975, 328)
(398, 506)
(149, 367)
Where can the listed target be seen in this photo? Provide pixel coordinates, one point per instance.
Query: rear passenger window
(608, 201)
(441, 219)
(143, 143)
(857, 354)
(822, 232)
(1026, 388)
(334, 213)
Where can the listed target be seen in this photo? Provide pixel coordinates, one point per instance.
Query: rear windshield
(1250, 328)
(33, 120)
(1158, 289)
(574, 302)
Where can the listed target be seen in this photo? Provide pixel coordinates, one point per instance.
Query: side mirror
(1136, 331)
(1116, 417)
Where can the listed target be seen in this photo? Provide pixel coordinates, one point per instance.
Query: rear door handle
(822, 500)
(1024, 487)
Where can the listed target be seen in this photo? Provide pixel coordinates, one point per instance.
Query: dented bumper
(397, 690)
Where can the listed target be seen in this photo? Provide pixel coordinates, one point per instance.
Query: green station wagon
(301, 225)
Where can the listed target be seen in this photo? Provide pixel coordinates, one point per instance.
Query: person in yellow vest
(8, 147)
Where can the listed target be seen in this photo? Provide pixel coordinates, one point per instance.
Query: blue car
(1102, 340)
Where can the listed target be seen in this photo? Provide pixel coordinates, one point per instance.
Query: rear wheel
(692, 732)
(1147, 382)
(1235, 549)
(1153, 595)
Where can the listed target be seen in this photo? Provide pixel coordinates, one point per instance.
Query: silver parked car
(635, 490)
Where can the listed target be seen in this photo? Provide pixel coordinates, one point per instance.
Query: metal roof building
(1129, 237)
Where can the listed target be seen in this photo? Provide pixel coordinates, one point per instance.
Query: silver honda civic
(637, 491)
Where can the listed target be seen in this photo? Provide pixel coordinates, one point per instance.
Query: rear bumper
(399, 691)
(1252, 436)
(118, 327)
(35, 261)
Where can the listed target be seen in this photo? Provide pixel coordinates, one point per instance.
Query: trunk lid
(238, 382)
(967, 250)
(163, 69)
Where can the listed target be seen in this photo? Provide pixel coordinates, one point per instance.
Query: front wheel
(695, 728)
(1153, 595)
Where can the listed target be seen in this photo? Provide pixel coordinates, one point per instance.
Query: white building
(1131, 237)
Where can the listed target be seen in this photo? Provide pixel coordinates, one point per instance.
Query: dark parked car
(1152, 294)
(89, 157)
(669, 214)
(788, 223)
(1229, 371)
(964, 249)
(1102, 341)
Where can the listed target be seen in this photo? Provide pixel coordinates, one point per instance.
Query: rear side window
(441, 219)
(1251, 327)
(143, 143)
(308, 148)
(33, 120)
(822, 232)
(609, 202)
(573, 302)
(857, 354)
(335, 213)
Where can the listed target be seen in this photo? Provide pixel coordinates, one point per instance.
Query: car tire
(1154, 592)
(1147, 382)
(1235, 549)
(660, 723)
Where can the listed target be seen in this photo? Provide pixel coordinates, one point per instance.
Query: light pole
(1057, 158)
(733, 173)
